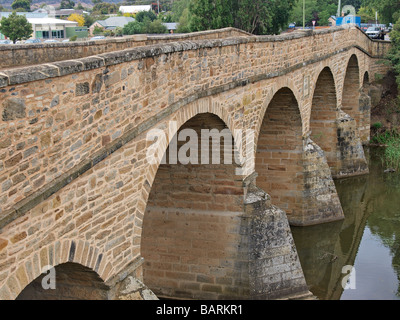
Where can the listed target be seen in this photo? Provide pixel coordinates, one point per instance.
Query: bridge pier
(365, 116)
(193, 254)
(268, 252)
(350, 159)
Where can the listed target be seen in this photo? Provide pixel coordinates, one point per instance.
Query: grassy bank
(390, 140)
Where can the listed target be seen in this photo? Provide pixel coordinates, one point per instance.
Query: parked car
(32, 41)
(6, 41)
(375, 33)
(51, 41)
(98, 38)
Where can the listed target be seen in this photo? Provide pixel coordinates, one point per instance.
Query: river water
(362, 252)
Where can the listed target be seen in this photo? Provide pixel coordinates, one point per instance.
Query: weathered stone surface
(97, 83)
(81, 89)
(267, 237)
(13, 108)
(3, 244)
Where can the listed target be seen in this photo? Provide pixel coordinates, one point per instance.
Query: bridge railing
(31, 54)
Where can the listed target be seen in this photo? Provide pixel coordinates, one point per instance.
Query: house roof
(171, 25)
(133, 9)
(115, 22)
(51, 21)
(26, 14)
(67, 12)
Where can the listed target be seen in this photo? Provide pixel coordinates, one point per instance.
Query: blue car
(6, 42)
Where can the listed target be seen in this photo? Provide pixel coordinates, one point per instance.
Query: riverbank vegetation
(388, 134)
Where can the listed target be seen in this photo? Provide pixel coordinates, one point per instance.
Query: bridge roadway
(78, 192)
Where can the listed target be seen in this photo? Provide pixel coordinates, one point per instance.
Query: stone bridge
(78, 192)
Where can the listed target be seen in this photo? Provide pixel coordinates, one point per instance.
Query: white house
(134, 9)
(47, 28)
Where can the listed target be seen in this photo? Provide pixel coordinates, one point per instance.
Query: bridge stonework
(77, 189)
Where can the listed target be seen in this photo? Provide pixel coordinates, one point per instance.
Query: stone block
(13, 108)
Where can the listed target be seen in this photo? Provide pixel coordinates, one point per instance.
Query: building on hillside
(110, 23)
(26, 14)
(51, 28)
(332, 21)
(134, 9)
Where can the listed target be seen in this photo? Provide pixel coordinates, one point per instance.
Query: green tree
(15, 27)
(184, 22)
(280, 10)
(104, 8)
(67, 4)
(178, 8)
(394, 54)
(89, 20)
(366, 14)
(156, 26)
(25, 5)
(98, 30)
(79, 6)
(141, 16)
(388, 10)
(254, 16)
(133, 27)
(211, 14)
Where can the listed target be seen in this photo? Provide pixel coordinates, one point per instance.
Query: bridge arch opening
(190, 227)
(279, 153)
(72, 282)
(323, 115)
(351, 89)
(366, 79)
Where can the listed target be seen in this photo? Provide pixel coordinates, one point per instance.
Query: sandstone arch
(72, 281)
(187, 241)
(324, 114)
(286, 163)
(351, 86)
(80, 254)
(279, 151)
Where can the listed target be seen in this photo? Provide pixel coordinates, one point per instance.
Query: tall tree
(67, 4)
(25, 5)
(254, 16)
(211, 14)
(280, 15)
(394, 54)
(77, 18)
(15, 27)
(388, 10)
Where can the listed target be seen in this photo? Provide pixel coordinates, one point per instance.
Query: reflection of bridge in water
(325, 249)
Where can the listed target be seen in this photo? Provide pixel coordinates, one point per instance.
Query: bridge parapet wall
(31, 54)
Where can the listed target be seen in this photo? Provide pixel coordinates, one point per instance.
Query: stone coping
(61, 68)
(132, 38)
